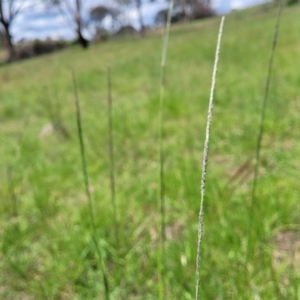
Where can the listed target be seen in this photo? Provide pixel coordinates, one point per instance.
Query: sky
(43, 22)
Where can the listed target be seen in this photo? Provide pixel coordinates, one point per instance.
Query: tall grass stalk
(161, 188)
(87, 189)
(260, 134)
(205, 159)
(111, 154)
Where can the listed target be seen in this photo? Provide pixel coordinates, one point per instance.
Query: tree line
(72, 11)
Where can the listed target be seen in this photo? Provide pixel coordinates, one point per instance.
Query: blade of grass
(82, 153)
(205, 160)
(111, 154)
(249, 246)
(87, 189)
(261, 126)
(160, 190)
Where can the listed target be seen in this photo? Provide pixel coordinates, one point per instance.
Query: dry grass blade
(205, 159)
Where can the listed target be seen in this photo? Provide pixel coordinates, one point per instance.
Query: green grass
(46, 248)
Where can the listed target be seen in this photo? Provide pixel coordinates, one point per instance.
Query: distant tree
(138, 5)
(98, 13)
(72, 11)
(161, 17)
(97, 17)
(9, 10)
(291, 2)
(287, 2)
(193, 9)
(186, 10)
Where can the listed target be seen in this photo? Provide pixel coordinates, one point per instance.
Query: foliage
(98, 13)
(187, 10)
(38, 47)
(138, 5)
(97, 16)
(287, 2)
(292, 2)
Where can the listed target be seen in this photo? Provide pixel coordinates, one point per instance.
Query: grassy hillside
(46, 248)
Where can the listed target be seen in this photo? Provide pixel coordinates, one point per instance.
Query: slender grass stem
(13, 195)
(87, 189)
(82, 153)
(111, 155)
(249, 245)
(161, 186)
(205, 159)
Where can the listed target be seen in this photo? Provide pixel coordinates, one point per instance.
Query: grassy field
(46, 246)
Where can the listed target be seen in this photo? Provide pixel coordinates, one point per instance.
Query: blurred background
(96, 20)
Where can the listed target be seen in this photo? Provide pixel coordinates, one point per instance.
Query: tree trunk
(8, 43)
(81, 40)
(183, 10)
(139, 10)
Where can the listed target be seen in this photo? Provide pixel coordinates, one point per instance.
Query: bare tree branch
(72, 11)
(8, 11)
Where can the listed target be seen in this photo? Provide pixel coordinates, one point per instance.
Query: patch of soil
(287, 249)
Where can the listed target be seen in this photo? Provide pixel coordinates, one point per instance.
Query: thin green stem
(161, 186)
(249, 245)
(82, 154)
(87, 189)
(111, 154)
(205, 160)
